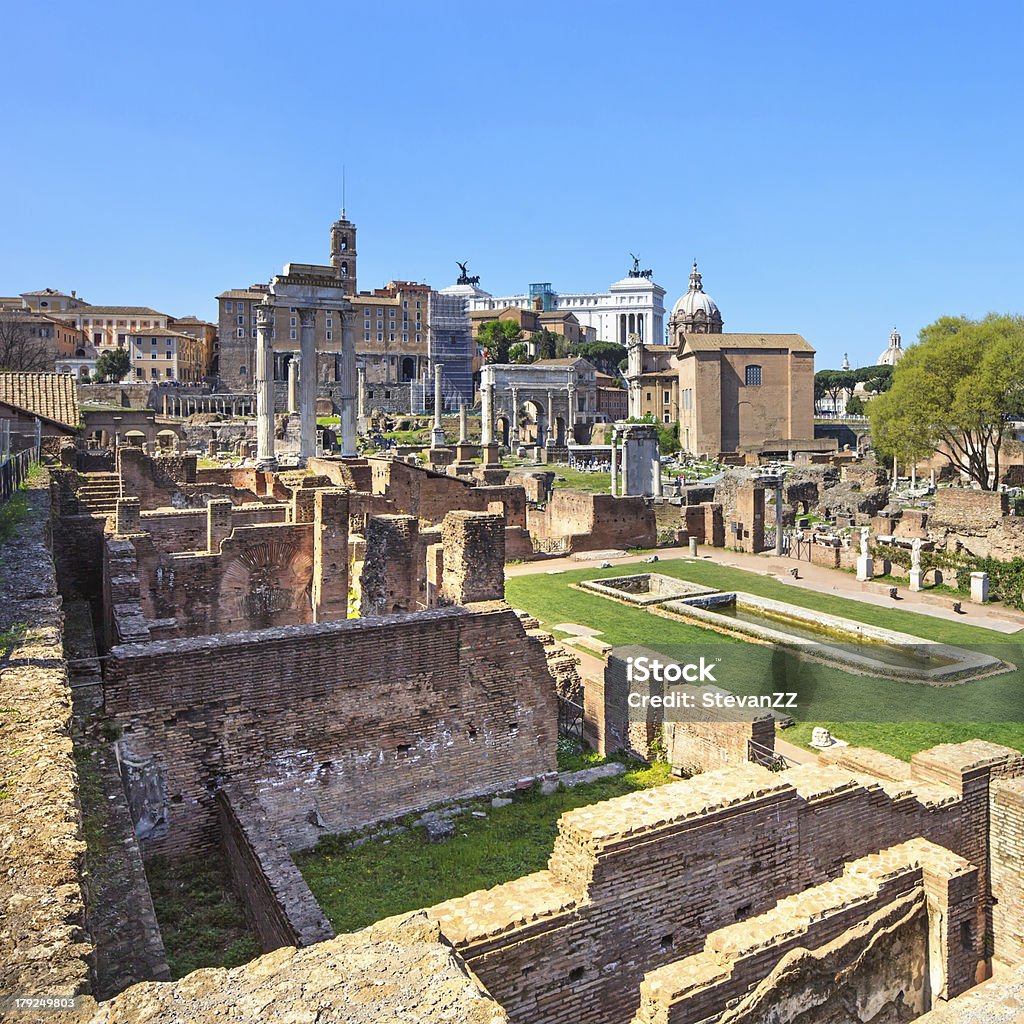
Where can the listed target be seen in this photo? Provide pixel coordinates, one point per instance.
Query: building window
(418, 338)
(366, 325)
(405, 338)
(228, 306)
(241, 320)
(366, 336)
(140, 372)
(391, 337)
(380, 325)
(291, 334)
(291, 322)
(380, 337)
(241, 332)
(667, 397)
(753, 376)
(668, 418)
(330, 335)
(648, 396)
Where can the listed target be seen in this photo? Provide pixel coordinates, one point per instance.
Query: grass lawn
(896, 717)
(577, 480)
(201, 919)
(358, 885)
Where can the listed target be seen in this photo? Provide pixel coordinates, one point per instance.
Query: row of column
(189, 404)
(547, 436)
(633, 323)
(302, 387)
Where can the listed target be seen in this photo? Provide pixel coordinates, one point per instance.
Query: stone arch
(534, 420)
(167, 438)
(501, 429)
(408, 371)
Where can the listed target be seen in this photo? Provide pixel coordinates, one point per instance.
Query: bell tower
(343, 252)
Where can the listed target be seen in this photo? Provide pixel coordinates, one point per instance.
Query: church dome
(894, 353)
(696, 310)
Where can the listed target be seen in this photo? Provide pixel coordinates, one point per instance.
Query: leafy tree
(549, 345)
(607, 356)
(668, 433)
(953, 392)
(519, 353)
(113, 364)
(831, 384)
(496, 337)
(855, 406)
(875, 379)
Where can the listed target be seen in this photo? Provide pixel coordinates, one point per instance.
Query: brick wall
(573, 521)
(335, 725)
(278, 904)
(572, 943)
(969, 511)
(1006, 815)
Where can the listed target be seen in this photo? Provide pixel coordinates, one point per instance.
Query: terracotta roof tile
(54, 396)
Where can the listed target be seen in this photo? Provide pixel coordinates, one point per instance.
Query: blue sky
(837, 168)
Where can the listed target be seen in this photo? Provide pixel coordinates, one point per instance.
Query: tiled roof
(241, 293)
(114, 311)
(47, 291)
(192, 321)
(716, 342)
(53, 396)
(160, 332)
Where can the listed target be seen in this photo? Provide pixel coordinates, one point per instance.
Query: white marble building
(634, 305)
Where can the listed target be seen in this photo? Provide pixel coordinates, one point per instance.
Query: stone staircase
(98, 493)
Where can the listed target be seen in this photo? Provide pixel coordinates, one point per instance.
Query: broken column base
(916, 576)
(490, 454)
(865, 568)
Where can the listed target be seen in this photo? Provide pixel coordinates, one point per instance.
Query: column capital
(264, 316)
(307, 316)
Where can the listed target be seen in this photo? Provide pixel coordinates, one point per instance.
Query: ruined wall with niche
(573, 521)
(573, 943)
(333, 725)
(883, 944)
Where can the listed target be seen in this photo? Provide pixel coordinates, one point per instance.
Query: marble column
(307, 384)
(264, 379)
(486, 414)
(463, 423)
(437, 434)
(615, 462)
(349, 411)
(361, 424)
(570, 439)
(552, 431)
(513, 433)
(294, 375)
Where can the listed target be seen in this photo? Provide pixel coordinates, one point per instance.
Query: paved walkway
(812, 577)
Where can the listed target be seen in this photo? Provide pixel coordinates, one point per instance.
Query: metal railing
(766, 757)
(14, 470)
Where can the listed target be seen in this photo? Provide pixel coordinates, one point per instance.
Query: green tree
(549, 345)
(496, 337)
(875, 379)
(855, 406)
(519, 353)
(953, 393)
(113, 364)
(831, 384)
(605, 355)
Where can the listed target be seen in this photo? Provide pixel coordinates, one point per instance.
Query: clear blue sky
(837, 168)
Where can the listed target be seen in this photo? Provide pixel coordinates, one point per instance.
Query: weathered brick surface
(969, 511)
(1006, 822)
(335, 725)
(474, 557)
(573, 521)
(572, 944)
(885, 933)
(277, 901)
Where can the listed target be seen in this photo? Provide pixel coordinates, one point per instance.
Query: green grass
(201, 919)
(576, 480)
(356, 886)
(889, 715)
(12, 513)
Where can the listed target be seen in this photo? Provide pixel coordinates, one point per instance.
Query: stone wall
(278, 904)
(154, 480)
(571, 945)
(334, 725)
(474, 557)
(44, 948)
(966, 511)
(573, 521)
(884, 937)
(1006, 821)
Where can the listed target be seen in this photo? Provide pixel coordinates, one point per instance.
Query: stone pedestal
(979, 587)
(465, 452)
(490, 454)
(693, 547)
(916, 576)
(865, 568)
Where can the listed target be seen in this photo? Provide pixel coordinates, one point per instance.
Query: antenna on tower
(342, 191)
